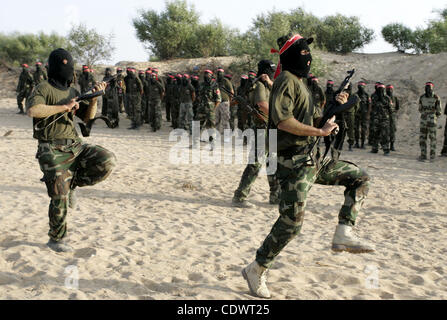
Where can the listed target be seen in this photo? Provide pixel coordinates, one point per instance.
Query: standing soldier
(349, 117)
(24, 87)
(175, 108)
(242, 112)
(147, 94)
(86, 80)
(430, 109)
(39, 75)
(187, 97)
(444, 148)
(260, 100)
(381, 104)
(318, 97)
(223, 109)
(65, 160)
(169, 97)
(393, 115)
(195, 83)
(134, 91)
(126, 97)
(233, 107)
(209, 95)
(105, 99)
(142, 77)
(156, 93)
(121, 88)
(111, 95)
(361, 115)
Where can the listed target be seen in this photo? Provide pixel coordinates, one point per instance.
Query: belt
(292, 151)
(59, 142)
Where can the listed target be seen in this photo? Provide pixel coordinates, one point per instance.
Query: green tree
(17, 48)
(400, 36)
(343, 34)
(88, 46)
(166, 34)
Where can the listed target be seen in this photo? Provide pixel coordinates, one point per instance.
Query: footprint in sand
(85, 253)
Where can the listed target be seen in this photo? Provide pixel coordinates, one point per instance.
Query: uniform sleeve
(37, 97)
(217, 96)
(259, 94)
(282, 104)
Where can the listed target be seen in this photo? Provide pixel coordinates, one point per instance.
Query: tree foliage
(17, 48)
(400, 36)
(88, 46)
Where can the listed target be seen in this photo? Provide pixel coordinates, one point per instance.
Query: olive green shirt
(290, 98)
(64, 128)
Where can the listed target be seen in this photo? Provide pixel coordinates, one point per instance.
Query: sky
(116, 17)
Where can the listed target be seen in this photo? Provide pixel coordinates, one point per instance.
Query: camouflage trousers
(22, 95)
(361, 127)
(175, 110)
(296, 178)
(393, 128)
(428, 131)
(155, 116)
(134, 104)
(186, 116)
(223, 116)
(371, 136)
(168, 105)
(113, 108)
(350, 127)
(127, 106)
(381, 133)
(105, 104)
(444, 148)
(66, 167)
(145, 108)
(233, 116)
(250, 174)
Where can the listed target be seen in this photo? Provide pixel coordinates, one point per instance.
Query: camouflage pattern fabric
(381, 122)
(361, 118)
(86, 81)
(209, 95)
(155, 117)
(186, 116)
(296, 178)
(223, 116)
(66, 167)
(249, 176)
(430, 109)
(393, 118)
(24, 88)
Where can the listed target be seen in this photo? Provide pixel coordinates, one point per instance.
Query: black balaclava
(429, 89)
(220, 74)
(291, 58)
(131, 73)
(185, 80)
(361, 87)
(389, 91)
(38, 68)
(207, 76)
(380, 91)
(60, 69)
(195, 82)
(266, 67)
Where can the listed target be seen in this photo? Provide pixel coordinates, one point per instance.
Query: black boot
(350, 148)
(392, 147)
(356, 145)
(363, 145)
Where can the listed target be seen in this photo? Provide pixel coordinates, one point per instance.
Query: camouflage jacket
(381, 107)
(157, 90)
(209, 93)
(26, 82)
(430, 105)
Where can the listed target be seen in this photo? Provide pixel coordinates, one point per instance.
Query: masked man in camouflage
(260, 100)
(144, 106)
(64, 159)
(209, 95)
(361, 115)
(318, 97)
(105, 101)
(295, 118)
(39, 75)
(121, 88)
(393, 114)
(330, 92)
(156, 94)
(430, 109)
(241, 111)
(24, 87)
(187, 97)
(223, 109)
(196, 84)
(86, 79)
(134, 92)
(381, 104)
(111, 95)
(147, 94)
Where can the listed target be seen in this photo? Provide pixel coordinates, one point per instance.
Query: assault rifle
(333, 109)
(253, 110)
(85, 128)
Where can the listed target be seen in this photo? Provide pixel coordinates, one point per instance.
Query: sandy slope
(155, 230)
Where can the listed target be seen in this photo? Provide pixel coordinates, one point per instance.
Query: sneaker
(256, 277)
(59, 246)
(241, 203)
(346, 240)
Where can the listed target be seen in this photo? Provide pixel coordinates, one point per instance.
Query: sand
(157, 230)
